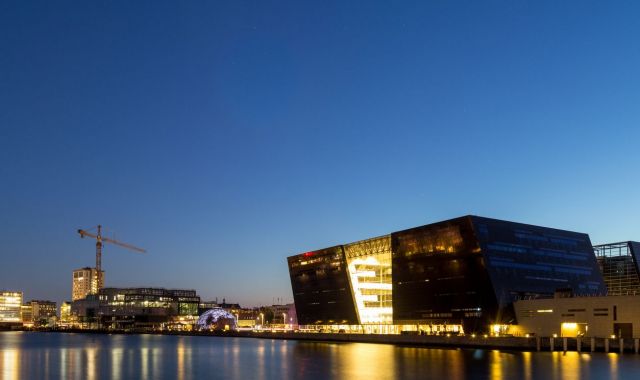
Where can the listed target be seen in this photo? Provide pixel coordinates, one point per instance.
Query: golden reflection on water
(180, 357)
(526, 365)
(613, 365)
(364, 361)
(568, 365)
(496, 365)
(10, 364)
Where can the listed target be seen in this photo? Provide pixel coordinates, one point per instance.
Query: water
(26, 355)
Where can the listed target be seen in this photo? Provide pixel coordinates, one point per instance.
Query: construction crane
(101, 239)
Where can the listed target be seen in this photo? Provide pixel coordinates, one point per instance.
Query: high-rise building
(86, 281)
(457, 275)
(10, 307)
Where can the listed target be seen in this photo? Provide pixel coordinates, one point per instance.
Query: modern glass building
(123, 308)
(457, 275)
(619, 265)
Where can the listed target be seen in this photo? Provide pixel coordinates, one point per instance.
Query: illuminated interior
(573, 329)
(369, 265)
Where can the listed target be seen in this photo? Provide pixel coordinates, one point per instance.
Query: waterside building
(459, 275)
(137, 308)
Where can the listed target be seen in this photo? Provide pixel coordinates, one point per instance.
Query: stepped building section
(619, 265)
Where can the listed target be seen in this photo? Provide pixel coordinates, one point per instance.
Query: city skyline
(224, 138)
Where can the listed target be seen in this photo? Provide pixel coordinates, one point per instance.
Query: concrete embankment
(509, 343)
(585, 344)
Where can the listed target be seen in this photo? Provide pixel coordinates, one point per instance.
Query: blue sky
(225, 136)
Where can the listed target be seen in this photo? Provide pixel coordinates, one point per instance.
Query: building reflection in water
(496, 365)
(63, 362)
(526, 366)
(116, 363)
(180, 360)
(91, 363)
(144, 363)
(11, 364)
(613, 365)
(363, 361)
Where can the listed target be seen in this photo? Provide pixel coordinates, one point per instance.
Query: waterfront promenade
(584, 344)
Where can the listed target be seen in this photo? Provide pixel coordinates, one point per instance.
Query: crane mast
(99, 242)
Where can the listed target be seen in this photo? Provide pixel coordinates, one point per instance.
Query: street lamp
(262, 318)
(284, 320)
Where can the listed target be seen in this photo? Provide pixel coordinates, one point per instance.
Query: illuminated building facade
(42, 312)
(86, 281)
(619, 266)
(65, 313)
(123, 308)
(457, 275)
(27, 315)
(10, 307)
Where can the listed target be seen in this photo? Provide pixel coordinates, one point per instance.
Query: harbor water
(37, 355)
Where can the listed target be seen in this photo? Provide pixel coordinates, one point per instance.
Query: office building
(10, 307)
(43, 313)
(137, 308)
(459, 275)
(86, 281)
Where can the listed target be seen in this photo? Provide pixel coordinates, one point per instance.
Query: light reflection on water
(89, 356)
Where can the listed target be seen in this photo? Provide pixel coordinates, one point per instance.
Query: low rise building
(599, 317)
(138, 308)
(43, 313)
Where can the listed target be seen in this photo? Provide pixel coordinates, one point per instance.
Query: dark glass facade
(321, 288)
(439, 275)
(525, 261)
(465, 271)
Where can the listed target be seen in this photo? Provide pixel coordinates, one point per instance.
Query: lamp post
(262, 319)
(284, 320)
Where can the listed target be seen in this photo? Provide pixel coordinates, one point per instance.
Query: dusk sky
(225, 136)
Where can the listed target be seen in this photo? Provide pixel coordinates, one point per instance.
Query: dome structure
(217, 319)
